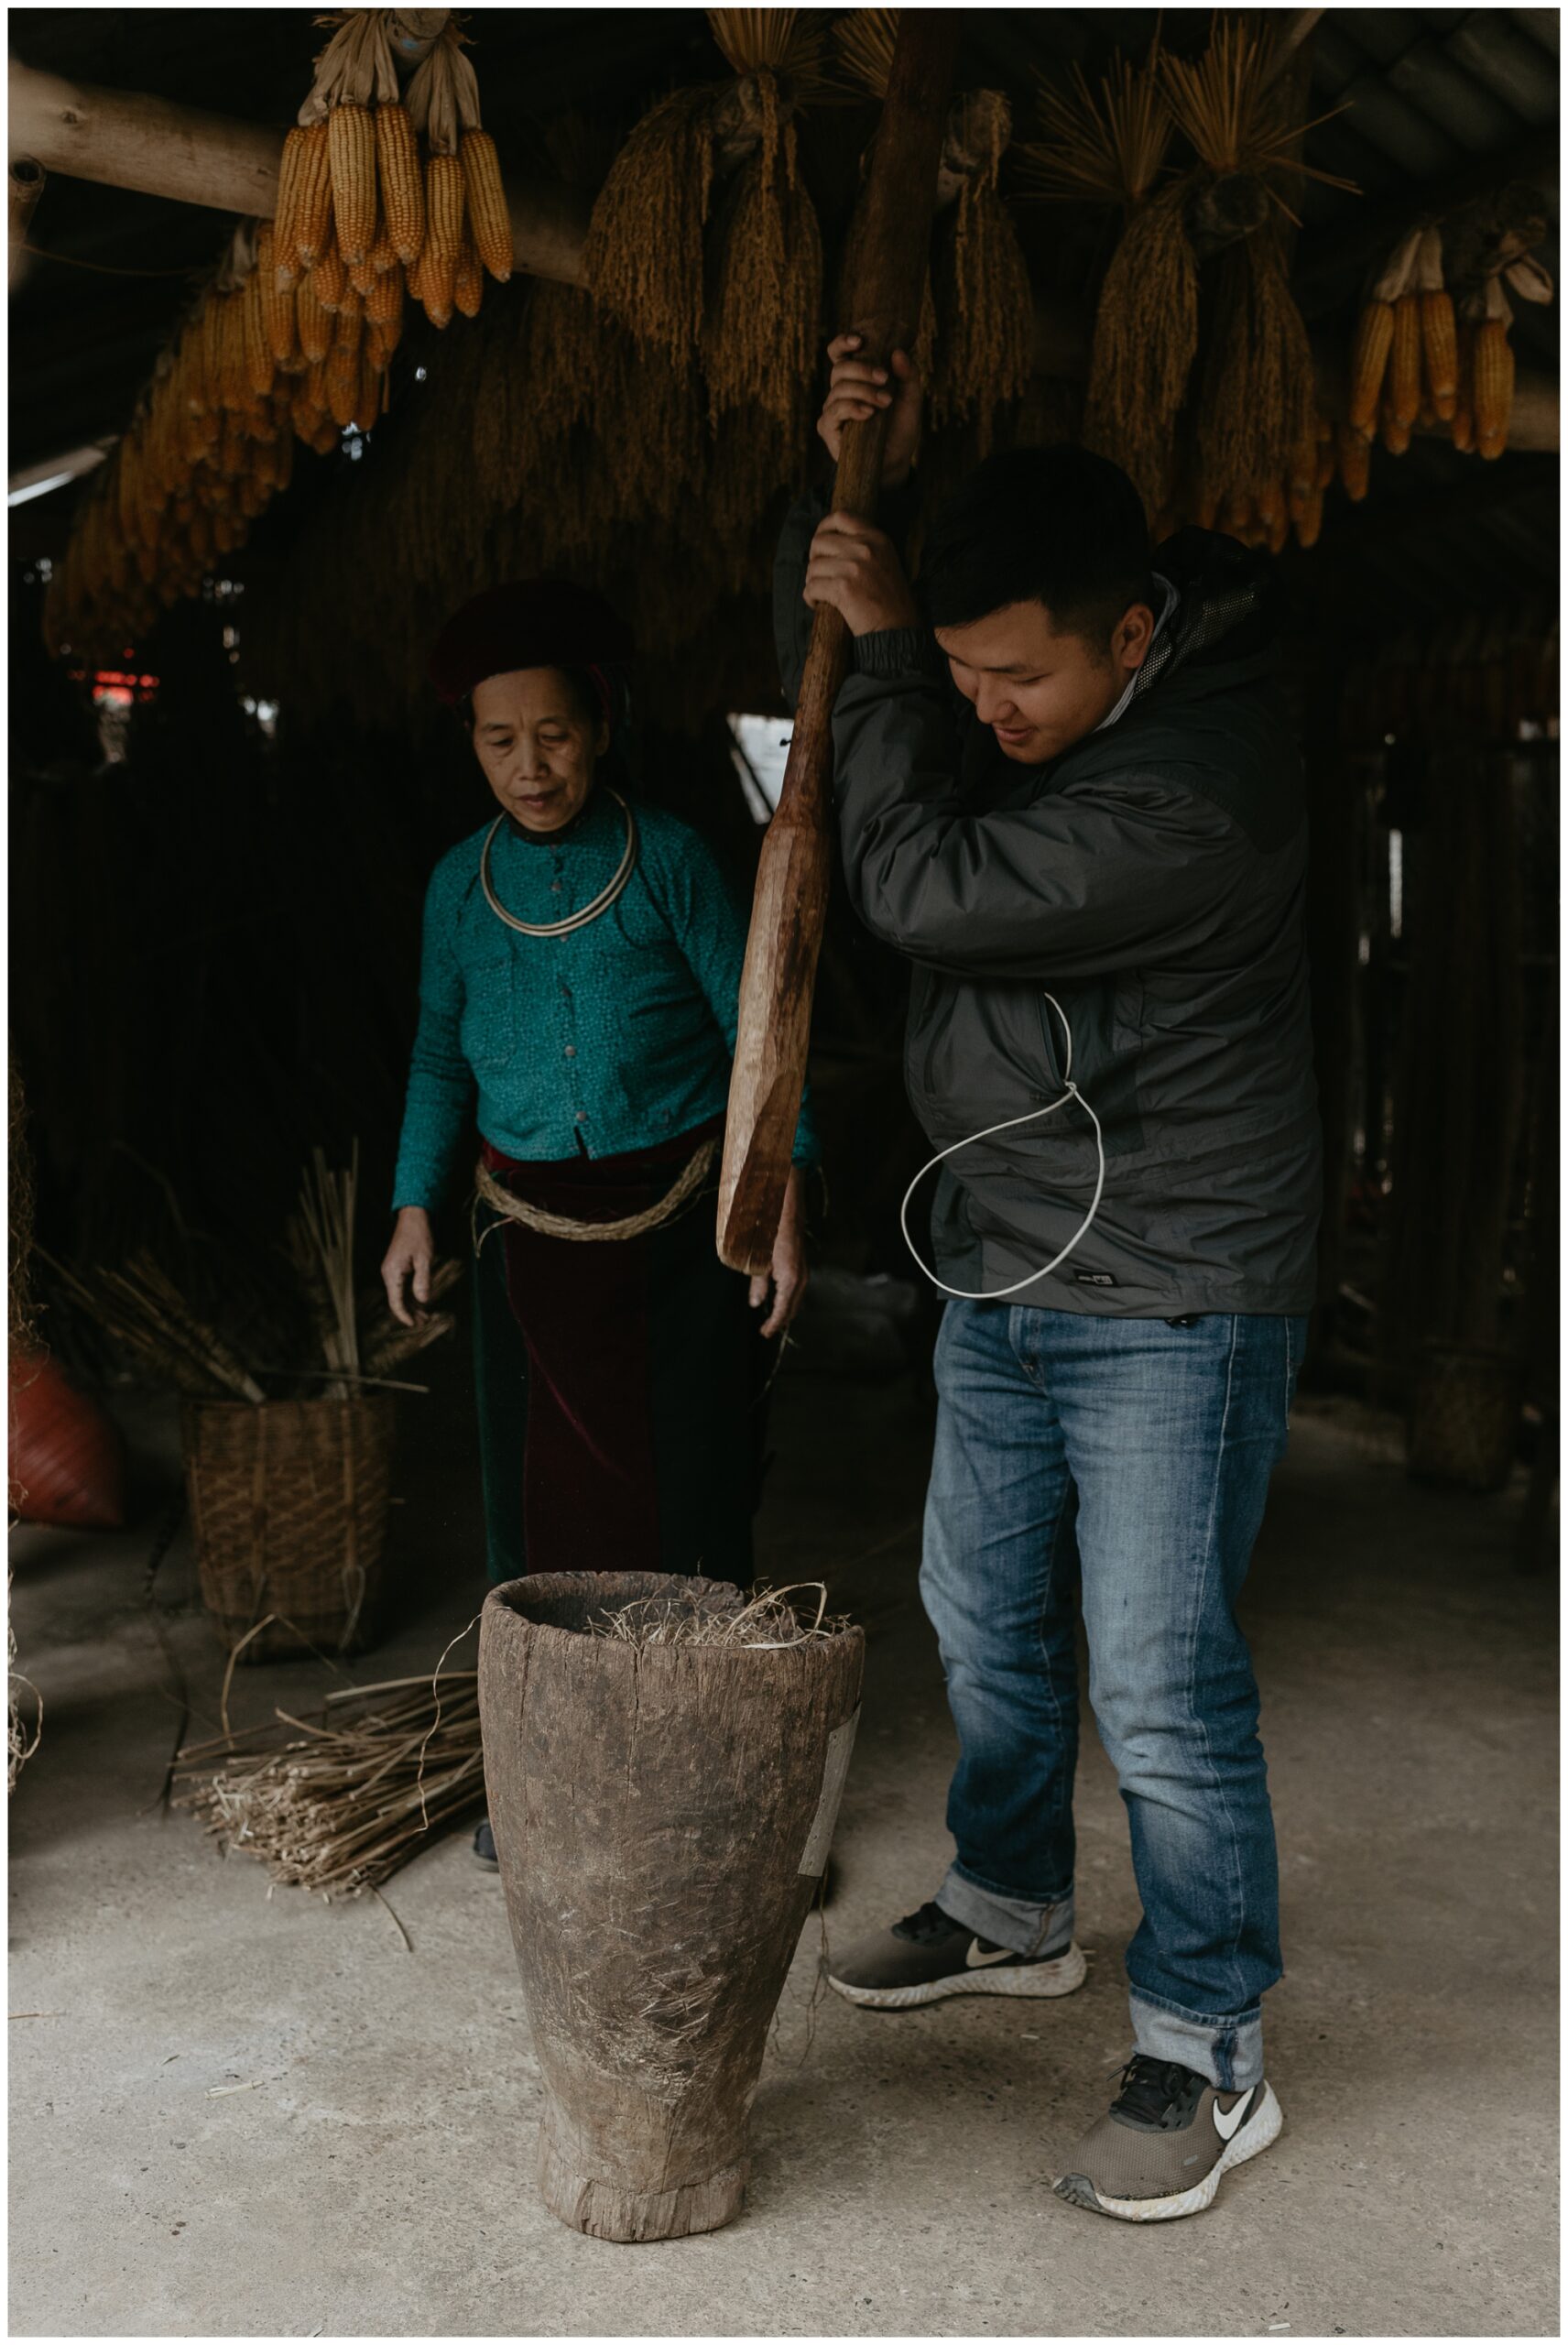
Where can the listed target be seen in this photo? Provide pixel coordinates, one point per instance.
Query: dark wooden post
(797, 856)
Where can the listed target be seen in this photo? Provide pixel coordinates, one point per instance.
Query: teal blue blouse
(614, 1037)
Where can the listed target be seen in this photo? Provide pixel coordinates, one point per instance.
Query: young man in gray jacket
(1068, 792)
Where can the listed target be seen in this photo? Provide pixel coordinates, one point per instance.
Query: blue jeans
(1164, 1436)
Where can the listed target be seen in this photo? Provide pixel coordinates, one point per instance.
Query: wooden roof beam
(128, 139)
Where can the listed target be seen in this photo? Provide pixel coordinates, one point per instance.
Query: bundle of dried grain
(1145, 338)
(764, 320)
(752, 467)
(980, 281)
(337, 1808)
(741, 304)
(643, 258)
(547, 360)
(1111, 149)
(973, 342)
(1258, 398)
(318, 1335)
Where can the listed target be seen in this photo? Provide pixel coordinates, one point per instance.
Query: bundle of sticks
(312, 1335)
(339, 1807)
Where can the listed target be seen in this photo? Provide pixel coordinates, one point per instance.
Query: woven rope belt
(557, 1224)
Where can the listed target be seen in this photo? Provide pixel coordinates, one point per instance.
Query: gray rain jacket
(1152, 879)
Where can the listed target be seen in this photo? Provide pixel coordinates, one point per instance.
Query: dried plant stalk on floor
(339, 1807)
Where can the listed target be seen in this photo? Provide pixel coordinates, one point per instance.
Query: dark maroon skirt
(621, 1383)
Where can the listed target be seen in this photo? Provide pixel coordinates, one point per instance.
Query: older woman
(582, 964)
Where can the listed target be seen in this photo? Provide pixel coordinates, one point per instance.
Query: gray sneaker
(1168, 2141)
(929, 1955)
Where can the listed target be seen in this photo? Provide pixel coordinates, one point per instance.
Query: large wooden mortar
(662, 1818)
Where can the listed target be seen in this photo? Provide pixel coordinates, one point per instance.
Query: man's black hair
(1056, 526)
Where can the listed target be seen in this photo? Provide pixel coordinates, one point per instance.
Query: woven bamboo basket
(288, 1509)
(1464, 1416)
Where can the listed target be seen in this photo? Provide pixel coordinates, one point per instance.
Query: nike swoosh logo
(1227, 2119)
(975, 1960)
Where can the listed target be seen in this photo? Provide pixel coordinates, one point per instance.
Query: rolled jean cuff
(1043, 1932)
(1229, 2052)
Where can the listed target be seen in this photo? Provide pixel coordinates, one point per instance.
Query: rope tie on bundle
(545, 1224)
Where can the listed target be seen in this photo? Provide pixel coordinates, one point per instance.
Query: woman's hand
(857, 389)
(788, 1273)
(412, 1253)
(854, 567)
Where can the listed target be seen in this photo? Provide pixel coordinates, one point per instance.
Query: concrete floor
(377, 2176)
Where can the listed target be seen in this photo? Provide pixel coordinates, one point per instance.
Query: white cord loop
(962, 1295)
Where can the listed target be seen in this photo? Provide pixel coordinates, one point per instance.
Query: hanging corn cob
(1484, 361)
(209, 446)
(1355, 451)
(351, 144)
(1492, 373)
(314, 321)
(467, 227)
(468, 279)
(1368, 364)
(402, 182)
(1439, 345)
(1374, 339)
(488, 219)
(295, 336)
(1403, 391)
(304, 198)
(353, 75)
(1393, 429)
(278, 302)
(443, 236)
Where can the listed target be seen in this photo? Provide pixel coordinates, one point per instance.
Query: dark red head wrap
(532, 623)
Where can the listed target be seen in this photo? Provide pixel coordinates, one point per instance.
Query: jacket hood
(1228, 613)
